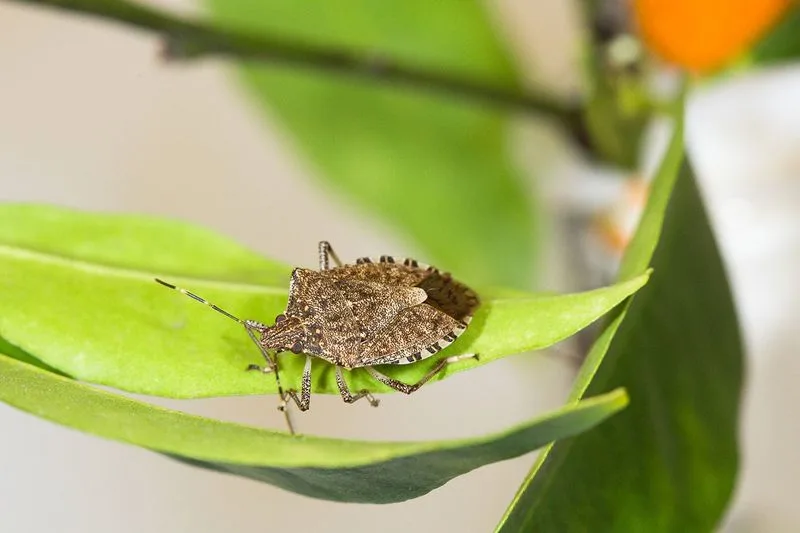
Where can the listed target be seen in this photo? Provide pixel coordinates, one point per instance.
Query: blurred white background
(90, 118)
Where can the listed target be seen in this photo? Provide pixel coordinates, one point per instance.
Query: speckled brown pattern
(372, 313)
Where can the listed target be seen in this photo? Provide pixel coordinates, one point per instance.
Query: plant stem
(186, 39)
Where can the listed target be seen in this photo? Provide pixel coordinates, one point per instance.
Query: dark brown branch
(187, 39)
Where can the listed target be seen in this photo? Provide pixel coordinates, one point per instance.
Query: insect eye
(297, 348)
(280, 318)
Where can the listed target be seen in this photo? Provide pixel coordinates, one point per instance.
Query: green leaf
(668, 463)
(132, 244)
(21, 355)
(353, 471)
(782, 43)
(436, 169)
(77, 292)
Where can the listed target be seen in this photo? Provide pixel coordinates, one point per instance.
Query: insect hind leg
(408, 388)
(349, 397)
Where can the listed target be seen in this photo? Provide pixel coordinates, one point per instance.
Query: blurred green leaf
(353, 471)
(437, 169)
(617, 107)
(77, 292)
(615, 134)
(782, 43)
(668, 463)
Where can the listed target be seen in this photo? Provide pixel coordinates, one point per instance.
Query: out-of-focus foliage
(782, 44)
(438, 169)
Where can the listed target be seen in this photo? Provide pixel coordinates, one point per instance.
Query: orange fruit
(702, 35)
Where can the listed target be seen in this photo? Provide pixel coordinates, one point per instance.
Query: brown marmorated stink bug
(373, 312)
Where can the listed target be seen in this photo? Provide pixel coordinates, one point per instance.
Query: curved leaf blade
(341, 470)
(96, 314)
(136, 243)
(669, 462)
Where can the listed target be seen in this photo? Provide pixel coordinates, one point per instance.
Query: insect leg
(259, 368)
(409, 388)
(281, 394)
(252, 326)
(347, 396)
(304, 401)
(272, 367)
(326, 252)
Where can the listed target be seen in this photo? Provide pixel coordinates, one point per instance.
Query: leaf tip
(642, 279)
(620, 398)
(614, 401)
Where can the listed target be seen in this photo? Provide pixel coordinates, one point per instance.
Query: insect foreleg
(304, 401)
(347, 396)
(409, 388)
(252, 326)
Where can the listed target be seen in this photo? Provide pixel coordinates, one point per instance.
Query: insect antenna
(249, 326)
(193, 296)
